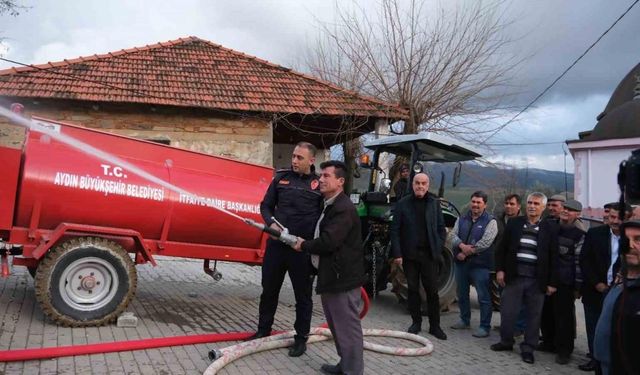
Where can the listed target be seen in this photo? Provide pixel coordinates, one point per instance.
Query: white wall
(596, 172)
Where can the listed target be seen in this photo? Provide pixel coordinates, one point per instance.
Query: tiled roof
(190, 72)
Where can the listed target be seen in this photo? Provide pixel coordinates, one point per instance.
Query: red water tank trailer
(80, 223)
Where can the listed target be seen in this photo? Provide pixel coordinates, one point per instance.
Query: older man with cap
(559, 316)
(554, 206)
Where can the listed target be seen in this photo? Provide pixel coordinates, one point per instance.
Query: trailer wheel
(85, 282)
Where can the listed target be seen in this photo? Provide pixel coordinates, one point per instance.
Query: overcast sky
(552, 34)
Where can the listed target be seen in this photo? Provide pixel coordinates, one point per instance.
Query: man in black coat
(600, 263)
(524, 263)
(336, 252)
(417, 237)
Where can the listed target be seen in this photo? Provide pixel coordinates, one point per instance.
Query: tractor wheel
(496, 292)
(447, 280)
(446, 283)
(85, 282)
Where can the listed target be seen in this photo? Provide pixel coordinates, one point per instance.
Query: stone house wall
(240, 138)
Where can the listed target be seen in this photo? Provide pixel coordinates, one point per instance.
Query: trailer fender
(80, 230)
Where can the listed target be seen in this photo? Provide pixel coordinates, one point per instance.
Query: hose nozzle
(283, 236)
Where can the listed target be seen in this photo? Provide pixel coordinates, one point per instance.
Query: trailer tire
(85, 281)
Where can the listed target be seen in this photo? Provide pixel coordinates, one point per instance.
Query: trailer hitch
(7, 249)
(217, 275)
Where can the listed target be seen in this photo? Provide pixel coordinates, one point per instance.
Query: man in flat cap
(559, 316)
(617, 339)
(552, 213)
(554, 206)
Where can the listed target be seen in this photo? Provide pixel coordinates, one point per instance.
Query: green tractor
(375, 205)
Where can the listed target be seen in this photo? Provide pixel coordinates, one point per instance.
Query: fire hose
(227, 355)
(121, 346)
(224, 356)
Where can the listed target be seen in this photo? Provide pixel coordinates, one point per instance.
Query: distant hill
(497, 182)
(477, 176)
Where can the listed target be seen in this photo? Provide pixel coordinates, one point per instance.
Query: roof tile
(190, 72)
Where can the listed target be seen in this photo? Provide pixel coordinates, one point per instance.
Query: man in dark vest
(524, 264)
(473, 237)
(559, 314)
(417, 237)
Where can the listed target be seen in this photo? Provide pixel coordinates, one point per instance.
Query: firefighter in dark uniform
(294, 199)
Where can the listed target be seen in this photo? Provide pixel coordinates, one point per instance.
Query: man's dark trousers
(519, 291)
(426, 270)
(558, 324)
(278, 259)
(342, 312)
(592, 303)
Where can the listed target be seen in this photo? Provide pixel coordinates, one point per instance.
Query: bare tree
(447, 67)
(10, 7)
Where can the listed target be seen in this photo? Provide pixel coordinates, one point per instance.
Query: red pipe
(121, 346)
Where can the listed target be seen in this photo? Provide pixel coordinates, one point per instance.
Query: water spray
(283, 235)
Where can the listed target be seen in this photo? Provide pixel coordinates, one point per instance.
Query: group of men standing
(543, 262)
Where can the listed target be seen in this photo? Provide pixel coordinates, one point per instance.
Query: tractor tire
(496, 292)
(447, 280)
(85, 282)
(446, 283)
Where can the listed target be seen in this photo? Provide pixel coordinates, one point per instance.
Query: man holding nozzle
(336, 252)
(292, 200)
